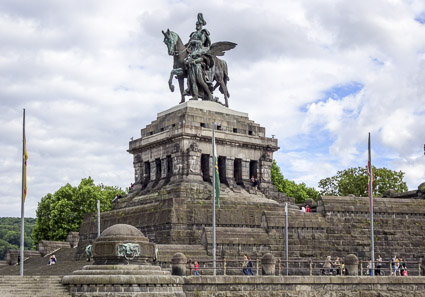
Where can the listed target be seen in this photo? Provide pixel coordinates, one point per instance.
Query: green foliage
(355, 181)
(64, 211)
(299, 191)
(10, 234)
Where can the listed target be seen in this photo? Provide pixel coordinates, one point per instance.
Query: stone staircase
(32, 286)
(38, 265)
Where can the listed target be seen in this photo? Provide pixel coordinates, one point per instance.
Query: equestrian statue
(198, 63)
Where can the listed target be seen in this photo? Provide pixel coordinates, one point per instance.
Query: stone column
(245, 171)
(268, 264)
(230, 171)
(265, 171)
(138, 165)
(153, 170)
(351, 264)
(164, 168)
(178, 264)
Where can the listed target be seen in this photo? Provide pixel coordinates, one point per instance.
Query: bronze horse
(179, 51)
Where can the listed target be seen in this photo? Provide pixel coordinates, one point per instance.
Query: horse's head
(170, 39)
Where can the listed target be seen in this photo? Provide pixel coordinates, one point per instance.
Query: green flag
(217, 177)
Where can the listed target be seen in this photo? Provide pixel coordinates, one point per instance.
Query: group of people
(333, 267)
(254, 182)
(247, 265)
(305, 209)
(193, 267)
(398, 266)
(52, 260)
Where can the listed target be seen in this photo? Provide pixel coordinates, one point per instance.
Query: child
(195, 272)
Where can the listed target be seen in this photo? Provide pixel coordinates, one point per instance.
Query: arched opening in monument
(205, 167)
(253, 169)
(158, 172)
(238, 172)
(147, 174)
(158, 169)
(222, 170)
(169, 168)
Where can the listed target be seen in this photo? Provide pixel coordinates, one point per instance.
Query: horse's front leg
(170, 81)
(181, 85)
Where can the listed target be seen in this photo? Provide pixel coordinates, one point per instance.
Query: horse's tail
(226, 77)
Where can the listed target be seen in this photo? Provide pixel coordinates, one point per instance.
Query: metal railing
(295, 267)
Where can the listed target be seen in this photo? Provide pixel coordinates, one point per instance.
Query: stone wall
(303, 286)
(11, 256)
(46, 247)
(341, 227)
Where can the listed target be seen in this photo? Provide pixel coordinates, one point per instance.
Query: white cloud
(91, 76)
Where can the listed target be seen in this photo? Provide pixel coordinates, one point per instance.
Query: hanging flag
(369, 174)
(217, 177)
(25, 167)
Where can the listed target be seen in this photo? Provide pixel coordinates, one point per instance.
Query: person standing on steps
(195, 272)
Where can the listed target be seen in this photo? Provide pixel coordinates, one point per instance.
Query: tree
(355, 181)
(299, 191)
(64, 211)
(10, 234)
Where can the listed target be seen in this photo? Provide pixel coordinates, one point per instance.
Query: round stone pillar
(268, 264)
(351, 264)
(178, 264)
(122, 244)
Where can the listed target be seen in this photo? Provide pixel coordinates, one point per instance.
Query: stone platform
(171, 199)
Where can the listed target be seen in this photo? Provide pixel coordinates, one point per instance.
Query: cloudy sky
(319, 75)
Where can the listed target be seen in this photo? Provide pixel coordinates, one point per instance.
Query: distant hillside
(10, 234)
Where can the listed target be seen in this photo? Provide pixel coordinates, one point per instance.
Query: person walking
(249, 267)
(378, 265)
(327, 266)
(337, 265)
(195, 272)
(245, 265)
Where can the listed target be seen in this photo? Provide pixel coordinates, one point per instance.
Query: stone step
(33, 286)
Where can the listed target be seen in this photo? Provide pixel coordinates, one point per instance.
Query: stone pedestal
(178, 264)
(123, 280)
(268, 264)
(351, 264)
(122, 244)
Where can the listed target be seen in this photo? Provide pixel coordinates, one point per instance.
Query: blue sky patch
(377, 61)
(337, 93)
(421, 18)
(341, 91)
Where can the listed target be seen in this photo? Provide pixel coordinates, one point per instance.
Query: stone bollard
(178, 264)
(352, 264)
(268, 263)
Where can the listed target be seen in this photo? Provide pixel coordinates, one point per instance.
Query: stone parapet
(46, 247)
(311, 286)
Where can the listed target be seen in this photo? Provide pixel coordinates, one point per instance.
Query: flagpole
(372, 239)
(21, 262)
(213, 202)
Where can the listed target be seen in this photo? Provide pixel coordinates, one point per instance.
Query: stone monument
(171, 198)
(172, 159)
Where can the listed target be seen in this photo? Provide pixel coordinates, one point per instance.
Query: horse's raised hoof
(172, 88)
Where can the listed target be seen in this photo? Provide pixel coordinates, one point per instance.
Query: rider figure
(199, 62)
